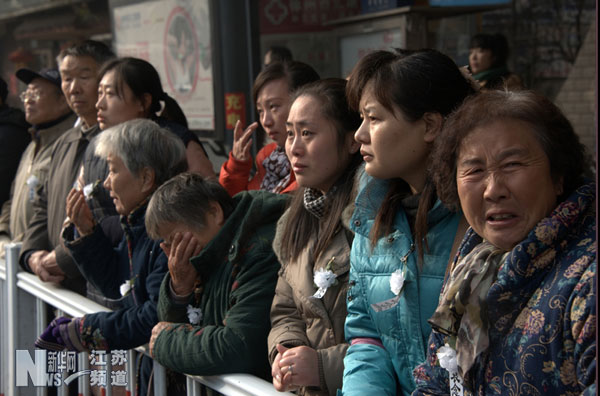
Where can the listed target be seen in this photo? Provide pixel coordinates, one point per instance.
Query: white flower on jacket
(324, 278)
(194, 314)
(88, 189)
(32, 181)
(447, 357)
(125, 288)
(397, 281)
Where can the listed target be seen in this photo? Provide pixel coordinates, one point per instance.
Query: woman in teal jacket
(403, 234)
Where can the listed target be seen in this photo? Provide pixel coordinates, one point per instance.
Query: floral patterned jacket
(541, 310)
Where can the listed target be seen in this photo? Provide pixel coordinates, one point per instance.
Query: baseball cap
(48, 74)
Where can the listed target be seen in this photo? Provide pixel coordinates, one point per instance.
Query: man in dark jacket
(13, 140)
(215, 302)
(42, 252)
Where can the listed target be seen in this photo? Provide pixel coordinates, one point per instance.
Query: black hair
(416, 82)
(496, 43)
(97, 50)
(142, 78)
(280, 54)
(295, 73)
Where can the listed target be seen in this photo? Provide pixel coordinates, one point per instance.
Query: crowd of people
(412, 229)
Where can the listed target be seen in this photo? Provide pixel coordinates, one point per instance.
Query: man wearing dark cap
(42, 253)
(47, 111)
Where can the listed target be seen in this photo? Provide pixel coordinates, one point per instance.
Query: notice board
(175, 36)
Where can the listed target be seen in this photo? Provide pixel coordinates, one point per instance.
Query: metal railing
(23, 300)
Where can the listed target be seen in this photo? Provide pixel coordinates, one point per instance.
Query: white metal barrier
(18, 289)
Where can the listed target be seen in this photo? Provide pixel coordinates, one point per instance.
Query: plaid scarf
(278, 170)
(315, 202)
(462, 311)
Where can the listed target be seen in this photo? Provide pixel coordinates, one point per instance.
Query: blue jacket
(387, 345)
(137, 257)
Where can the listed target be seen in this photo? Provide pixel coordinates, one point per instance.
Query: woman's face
(504, 182)
(480, 59)
(392, 146)
(312, 145)
(126, 189)
(114, 109)
(273, 106)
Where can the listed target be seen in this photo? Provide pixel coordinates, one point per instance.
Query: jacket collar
(46, 136)
(137, 215)
(82, 132)
(252, 210)
(370, 197)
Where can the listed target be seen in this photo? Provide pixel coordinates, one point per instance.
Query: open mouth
(501, 217)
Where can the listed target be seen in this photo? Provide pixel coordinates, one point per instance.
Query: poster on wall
(174, 36)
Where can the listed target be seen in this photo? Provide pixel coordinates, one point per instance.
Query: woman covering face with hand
(518, 311)
(403, 234)
(271, 92)
(306, 342)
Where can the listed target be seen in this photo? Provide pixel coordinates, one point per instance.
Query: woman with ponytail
(131, 88)
(404, 236)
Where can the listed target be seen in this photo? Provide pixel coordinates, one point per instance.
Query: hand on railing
(61, 333)
(294, 367)
(43, 264)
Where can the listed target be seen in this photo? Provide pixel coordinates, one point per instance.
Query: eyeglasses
(32, 95)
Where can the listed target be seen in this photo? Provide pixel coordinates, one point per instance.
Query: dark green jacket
(239, 272)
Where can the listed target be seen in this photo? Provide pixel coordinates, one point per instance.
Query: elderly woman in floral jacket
(518, 311)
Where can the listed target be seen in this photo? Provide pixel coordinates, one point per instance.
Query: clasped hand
(294, 367)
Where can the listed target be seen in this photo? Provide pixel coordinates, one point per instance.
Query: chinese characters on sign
(55, 368)
(235, 109)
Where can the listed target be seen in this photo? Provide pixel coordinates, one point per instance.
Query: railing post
(83, 382)
(160, 378)
(108, 366)
(3, 321)
(41, 321)
(12, 266)
(131, 367)
(190, 384)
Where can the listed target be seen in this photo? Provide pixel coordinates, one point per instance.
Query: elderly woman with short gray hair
(141, 156)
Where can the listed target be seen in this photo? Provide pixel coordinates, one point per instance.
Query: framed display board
(176, 36)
